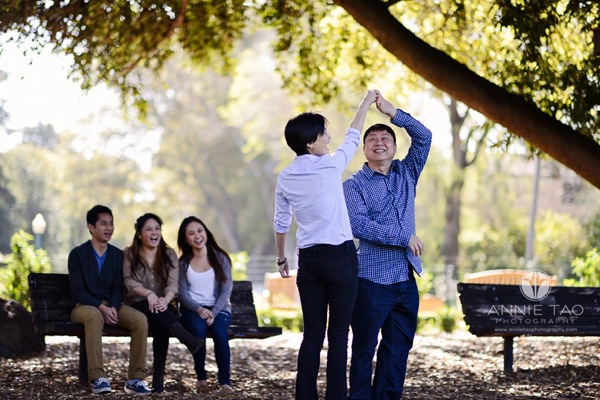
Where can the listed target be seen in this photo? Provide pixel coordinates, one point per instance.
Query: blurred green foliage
(23, 260)
(586, 269)
(239, 261)
(447, 320)
(425, 283)
(290, 320)
(555, 250)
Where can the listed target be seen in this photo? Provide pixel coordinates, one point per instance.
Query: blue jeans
(198, 327)
(327, 279)
(393, 309)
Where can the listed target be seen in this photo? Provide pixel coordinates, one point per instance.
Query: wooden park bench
(51, 307)
(504, 310)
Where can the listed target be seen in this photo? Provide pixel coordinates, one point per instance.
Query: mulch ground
(441, 366)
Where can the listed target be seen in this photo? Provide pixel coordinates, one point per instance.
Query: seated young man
(96, 276)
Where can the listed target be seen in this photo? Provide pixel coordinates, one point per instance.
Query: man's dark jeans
(393, 309)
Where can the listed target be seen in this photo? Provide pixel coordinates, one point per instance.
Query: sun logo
(535, 285)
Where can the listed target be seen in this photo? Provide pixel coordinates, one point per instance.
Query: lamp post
(38, 226)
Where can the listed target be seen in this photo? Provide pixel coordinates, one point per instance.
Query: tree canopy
(547, 91)
(215, 143)
(542, 85)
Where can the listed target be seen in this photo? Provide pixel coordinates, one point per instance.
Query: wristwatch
(280, 262)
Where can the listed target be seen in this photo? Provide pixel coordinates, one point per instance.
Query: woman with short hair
(310, 189)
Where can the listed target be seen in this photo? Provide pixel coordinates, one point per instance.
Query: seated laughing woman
(151, 280)
(205, 284)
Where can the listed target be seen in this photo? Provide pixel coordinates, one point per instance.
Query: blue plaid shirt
(382, 209)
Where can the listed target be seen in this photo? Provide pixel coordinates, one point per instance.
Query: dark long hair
(162, 263)
(212, 247)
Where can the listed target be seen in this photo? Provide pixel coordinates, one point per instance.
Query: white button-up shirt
(310, 189)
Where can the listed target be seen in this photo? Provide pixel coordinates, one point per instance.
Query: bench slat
(73, 329)
(504, 276)
(44, 310)
(508, 290)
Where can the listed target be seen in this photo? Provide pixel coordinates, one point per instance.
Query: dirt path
(457, 366)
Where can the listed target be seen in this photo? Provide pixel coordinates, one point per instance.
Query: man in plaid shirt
(381, 203)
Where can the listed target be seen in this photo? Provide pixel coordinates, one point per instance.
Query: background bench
(282, 293)
(51, 307)
(502, 310)
(502, 277)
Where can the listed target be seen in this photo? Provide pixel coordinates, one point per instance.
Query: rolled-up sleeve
(184, 289)
(129, 280)
(223, 297)
(283, 211)
(173, 279)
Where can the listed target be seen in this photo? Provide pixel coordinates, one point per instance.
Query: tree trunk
(452, 230)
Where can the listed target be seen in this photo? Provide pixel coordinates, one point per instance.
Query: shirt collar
(369, 172)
